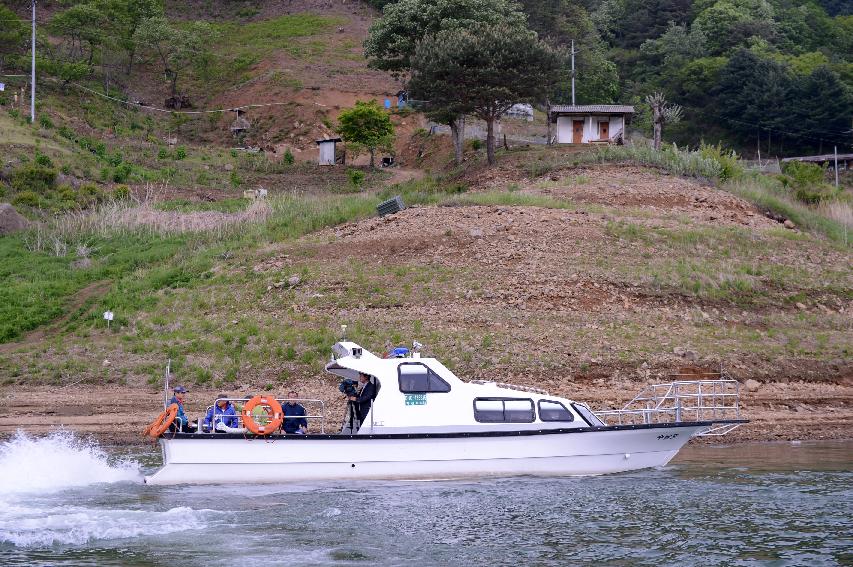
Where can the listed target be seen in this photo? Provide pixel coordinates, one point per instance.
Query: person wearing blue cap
(182, 422)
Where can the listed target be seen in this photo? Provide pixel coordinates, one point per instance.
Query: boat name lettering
(416, 399)
(671, 436)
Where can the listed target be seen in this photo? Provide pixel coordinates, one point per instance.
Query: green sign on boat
(415, 399)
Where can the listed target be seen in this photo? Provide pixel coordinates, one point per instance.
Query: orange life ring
(249, 420)
(162, 423)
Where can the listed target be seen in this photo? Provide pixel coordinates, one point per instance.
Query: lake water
(65, 502)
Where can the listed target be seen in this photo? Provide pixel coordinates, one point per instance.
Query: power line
(794, 134)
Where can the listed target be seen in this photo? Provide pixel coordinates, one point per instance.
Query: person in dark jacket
(182, 422)
(364, 399)
(293, 424)
(221, 414)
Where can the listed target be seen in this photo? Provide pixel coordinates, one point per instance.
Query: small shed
(327, 150)
(590, 123)
(240, 124)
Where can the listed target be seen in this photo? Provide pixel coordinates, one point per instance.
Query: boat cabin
(421, 395)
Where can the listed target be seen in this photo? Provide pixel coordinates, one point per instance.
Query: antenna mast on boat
(166, 377)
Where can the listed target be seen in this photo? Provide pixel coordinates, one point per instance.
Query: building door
(604, 130)
(577, 132)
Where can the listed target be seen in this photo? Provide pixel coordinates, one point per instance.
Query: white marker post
(108, 316)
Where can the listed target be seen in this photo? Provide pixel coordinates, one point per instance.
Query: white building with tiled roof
(590, 123)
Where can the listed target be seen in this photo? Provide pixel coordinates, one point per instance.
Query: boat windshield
(587, 415)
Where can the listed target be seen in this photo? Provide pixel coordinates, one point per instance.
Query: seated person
(182, 422)
(220, 416)
(293, 424)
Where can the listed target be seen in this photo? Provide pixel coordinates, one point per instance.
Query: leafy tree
(648, 19)
(751, 93)
(486, 69)
(393, 37)
(177, 49)
(820, 107)
(82, 28)
(125, 17)
(366, 125)
(13, 36)
(729, 23)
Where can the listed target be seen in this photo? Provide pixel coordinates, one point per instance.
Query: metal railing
(682, 400)
(309, 404)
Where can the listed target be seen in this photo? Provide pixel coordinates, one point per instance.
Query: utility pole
(33, 66)
(573, 72)
(836, 167)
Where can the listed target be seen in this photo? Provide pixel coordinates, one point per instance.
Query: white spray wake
(56, 462)
(35, 513)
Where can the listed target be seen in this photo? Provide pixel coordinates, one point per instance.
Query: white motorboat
(426, 423)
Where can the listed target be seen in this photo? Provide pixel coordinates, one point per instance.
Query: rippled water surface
(65, 502)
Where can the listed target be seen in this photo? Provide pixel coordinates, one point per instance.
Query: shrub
(730, 167)
(89, 194)
(121, 193)
(66, 193)
(122, 173)
(235, 180)
(815, 194)
(65, 169)
(163, 153)
(476, 144)
(45, 122)
(288, 157)
(66, 132)
(44, 160)
(115, 159)
(803, 174)
(356, 177)
(34, 177)
(27, 198)
(180, 153)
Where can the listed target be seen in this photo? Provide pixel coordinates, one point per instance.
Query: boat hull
(218, 459)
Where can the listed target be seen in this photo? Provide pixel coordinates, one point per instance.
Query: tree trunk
(490, 140)
(548, 121)
(657, 134)
(372, 162)
(457, 128)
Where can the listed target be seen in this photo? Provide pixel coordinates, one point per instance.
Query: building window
(417, 378)
(503, 410)
(550, 410)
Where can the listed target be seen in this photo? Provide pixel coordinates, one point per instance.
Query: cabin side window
(550, 410)
(504, 410)
(418, 378)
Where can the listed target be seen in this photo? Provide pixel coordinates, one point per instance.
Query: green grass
(768, 194)
(231, 205)
(253, 40)
(140, 262)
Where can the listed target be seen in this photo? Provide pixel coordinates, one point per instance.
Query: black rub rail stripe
(461, 434)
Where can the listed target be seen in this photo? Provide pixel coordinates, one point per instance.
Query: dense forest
(774, 72)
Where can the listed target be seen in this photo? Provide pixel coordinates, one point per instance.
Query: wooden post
(836, 167)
